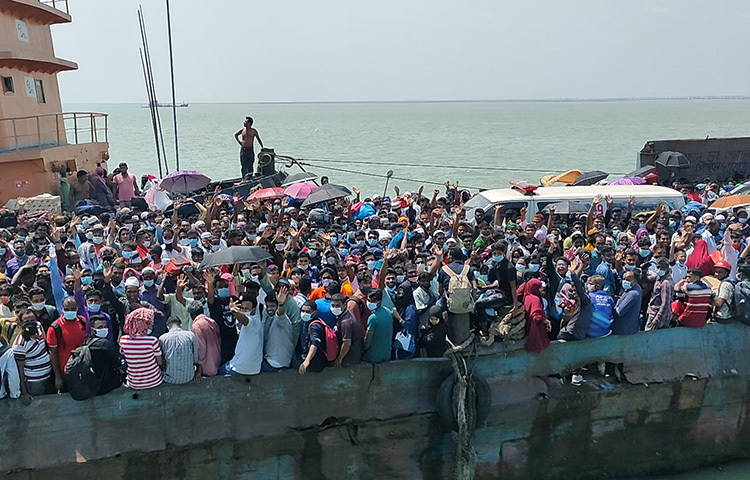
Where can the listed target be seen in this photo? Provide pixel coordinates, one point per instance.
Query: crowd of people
(90, 302)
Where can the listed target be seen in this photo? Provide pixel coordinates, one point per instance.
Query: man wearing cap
(723, 302)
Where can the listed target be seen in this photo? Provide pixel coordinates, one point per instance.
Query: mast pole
(150, 94)
(174, 100)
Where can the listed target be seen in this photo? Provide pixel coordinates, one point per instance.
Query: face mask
(498, 258)
(679, 263)
(223, 292)
(644, 252)
(336, 311)
(147, 243)
(371, 265)
(255, 278)
(98, 240)
(482, 278)
(304, 267)
(38, 306)
(193, 242)
(520, 268)
(626, 285)
(615, 233)
(135, 261)
(672, 223)
(661, 273)
(630, 267)
(391, 289)
(21, 238)
(69, 315)
(214, 248)
(312, 252)
(400, 278)
(372, 242)
(20, 252)
(245, 273)
(87, 280)
(184, 242)
(534, 267)
(148, 283)
(252, 236)
(101, 332)
(563, 226)
(280, 246)
(128, 254)
(325, 282)
(167, 241)
(94, 307)
(510, 238)
(306, 317)
(420, 267)
(3, 251)
(372, 306)
(642, 225)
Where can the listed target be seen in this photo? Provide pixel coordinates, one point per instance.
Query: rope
(378, 175)
(427, 165)
(465, 401)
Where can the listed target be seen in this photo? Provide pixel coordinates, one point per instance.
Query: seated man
(694, 310)
(180, 354)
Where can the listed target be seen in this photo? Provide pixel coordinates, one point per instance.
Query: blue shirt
(324, 312)
(601, 318)
(627, 311)
(380, 326)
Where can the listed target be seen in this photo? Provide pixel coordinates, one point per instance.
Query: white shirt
(279, 341)
(710, 241)
(248, 354)
(679, 272)
(9, 375)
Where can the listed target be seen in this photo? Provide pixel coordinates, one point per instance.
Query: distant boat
(168, 105)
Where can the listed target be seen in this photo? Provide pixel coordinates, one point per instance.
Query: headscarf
(99, 176)
(534, 308)
(88, 258)
(638, 234)
(138, 322)
(700, 258)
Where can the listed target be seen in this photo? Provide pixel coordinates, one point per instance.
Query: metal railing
(61, 5)
(52, 130)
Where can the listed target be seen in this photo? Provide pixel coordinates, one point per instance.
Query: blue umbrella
(185, 181)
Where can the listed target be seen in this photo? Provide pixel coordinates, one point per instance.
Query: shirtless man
(246, 138)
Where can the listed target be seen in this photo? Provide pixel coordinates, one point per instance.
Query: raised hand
(282, 294)
(597, 199)
(234, 306)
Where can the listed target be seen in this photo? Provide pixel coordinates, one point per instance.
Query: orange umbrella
(731, 201)
(267, 193)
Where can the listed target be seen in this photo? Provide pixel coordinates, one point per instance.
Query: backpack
(359, 303)
(332, 341)
(742, 301)
(459, 296)
(80, 377)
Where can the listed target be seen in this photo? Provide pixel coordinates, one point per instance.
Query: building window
(8, 85)
(40, 91)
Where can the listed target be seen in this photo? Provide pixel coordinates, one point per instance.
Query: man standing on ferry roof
(246, 138)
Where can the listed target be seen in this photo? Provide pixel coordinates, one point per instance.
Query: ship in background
(38, 140)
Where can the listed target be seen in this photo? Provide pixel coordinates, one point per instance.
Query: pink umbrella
(267, 193)
(629, 181)
(300, 191)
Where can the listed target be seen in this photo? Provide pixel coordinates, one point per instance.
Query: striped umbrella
(267, 193)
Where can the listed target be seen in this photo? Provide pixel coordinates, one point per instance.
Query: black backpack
(80, 378)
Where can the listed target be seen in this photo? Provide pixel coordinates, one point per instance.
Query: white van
(538, 199)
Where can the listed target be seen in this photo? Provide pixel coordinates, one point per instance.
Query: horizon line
(519, 100)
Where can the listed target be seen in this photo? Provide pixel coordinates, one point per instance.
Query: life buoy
(445, 400)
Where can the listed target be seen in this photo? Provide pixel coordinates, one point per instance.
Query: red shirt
(73, 336)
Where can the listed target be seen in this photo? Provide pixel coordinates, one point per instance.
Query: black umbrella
(299, 177)
(642, 172)
(673, 160)
(590, 178)
(326, 193)
(232, 255)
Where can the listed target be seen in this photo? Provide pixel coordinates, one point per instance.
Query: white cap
(132, 282)
(691, 218)
(148, 269)
(199, 223)
(206, 235)
(262, 227)
(452, 240)
(720, 217)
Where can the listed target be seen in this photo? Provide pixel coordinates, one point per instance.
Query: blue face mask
(94, 307)
(193, 242)
(661, 273)
(482, 278)
(69, 315)
(87, 280)
(498, 258)
(520, 268)
(343, 252)
(127, 255)
(223, 292)
(372, 306)
(148, 283)
(642, 225)
(534, 267)
(626, 285)
(400, 278)
(644, 252)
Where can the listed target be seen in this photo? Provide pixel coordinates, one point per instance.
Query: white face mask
(148, 332)
(306, 317)
(102, 332)
(336, 310)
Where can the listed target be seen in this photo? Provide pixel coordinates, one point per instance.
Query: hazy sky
(343, 50)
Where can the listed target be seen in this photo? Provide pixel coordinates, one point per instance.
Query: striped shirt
(140, 355)
(698, 304)
(180, 356)
(34, 354)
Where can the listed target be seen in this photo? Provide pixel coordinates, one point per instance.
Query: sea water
(480, 144)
